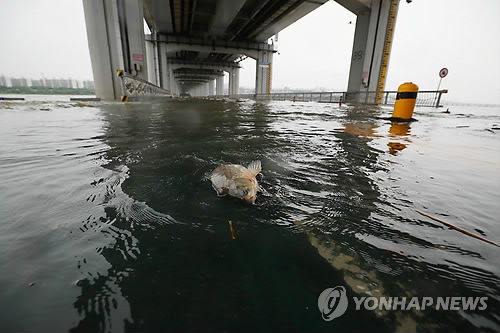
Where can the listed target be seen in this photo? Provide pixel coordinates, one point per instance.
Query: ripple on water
(118, 196)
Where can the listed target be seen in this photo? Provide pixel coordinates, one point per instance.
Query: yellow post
(405, 101)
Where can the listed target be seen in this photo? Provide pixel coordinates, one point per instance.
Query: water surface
(108, 222)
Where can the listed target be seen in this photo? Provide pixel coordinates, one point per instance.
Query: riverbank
(46, 91)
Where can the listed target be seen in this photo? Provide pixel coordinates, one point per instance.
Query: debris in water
(458, 229)
(231, 228)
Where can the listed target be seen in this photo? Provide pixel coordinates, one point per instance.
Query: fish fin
(254, 167)
(219, 183)
(222, 193)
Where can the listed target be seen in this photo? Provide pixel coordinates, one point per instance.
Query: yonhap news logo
(333, 302)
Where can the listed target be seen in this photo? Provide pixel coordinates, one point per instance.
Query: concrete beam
(355, 6)
(280, 21)
(224, 66)
(182, 77)
(161, 22)
(179, 43)
(225, 12)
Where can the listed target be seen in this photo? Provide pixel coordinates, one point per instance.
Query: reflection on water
(397, 131)
(110, 212)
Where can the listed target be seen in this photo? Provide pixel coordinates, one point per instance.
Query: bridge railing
(135, 88)
(430, 98)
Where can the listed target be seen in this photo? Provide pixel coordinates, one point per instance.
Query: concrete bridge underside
(194, 42)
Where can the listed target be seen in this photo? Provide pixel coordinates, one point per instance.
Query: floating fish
(237, 181)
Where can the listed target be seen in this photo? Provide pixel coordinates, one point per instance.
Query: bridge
(194, 42)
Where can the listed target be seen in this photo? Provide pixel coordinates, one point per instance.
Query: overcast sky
(49, 37)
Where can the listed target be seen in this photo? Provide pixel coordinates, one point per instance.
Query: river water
(108, 222)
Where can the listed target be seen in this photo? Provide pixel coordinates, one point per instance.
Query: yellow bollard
(405, 102)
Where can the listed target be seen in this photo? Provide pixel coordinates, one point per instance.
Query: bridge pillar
(172, 82)
(211, 86)
(219, 89)
(115, 33)
(151, 60)
(371, 48)
(165, 82)
(234, 81)
(263, 73)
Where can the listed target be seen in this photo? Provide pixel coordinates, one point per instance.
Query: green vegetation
(45, 91)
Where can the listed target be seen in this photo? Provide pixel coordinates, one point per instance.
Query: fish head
(246, 189)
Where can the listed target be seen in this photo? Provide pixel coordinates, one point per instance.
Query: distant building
(45, 83)
(36, 84)
(19, 82)
(88, 84)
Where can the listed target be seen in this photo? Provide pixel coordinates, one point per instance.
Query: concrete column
(368, 47)
(172, 86)
(219, 85)
(234, 81)
(115, 33)
(105, 47)
(230, 83)
(151, 58)
(156, 51)
(263, 73)
(132, 27)
(164, 66)
(197, 90)
(211, 86)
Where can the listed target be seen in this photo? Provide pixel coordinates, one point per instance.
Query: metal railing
(429, 98)
(135, 88)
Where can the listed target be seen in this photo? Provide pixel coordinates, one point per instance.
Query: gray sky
(49, 37)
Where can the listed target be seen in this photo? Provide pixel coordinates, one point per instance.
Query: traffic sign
(443, 72)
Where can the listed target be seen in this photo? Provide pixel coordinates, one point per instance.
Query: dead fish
(237, 181)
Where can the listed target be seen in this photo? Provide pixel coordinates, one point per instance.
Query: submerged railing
(430, 98)
(135, 88)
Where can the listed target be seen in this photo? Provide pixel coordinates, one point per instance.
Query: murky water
(108, 222)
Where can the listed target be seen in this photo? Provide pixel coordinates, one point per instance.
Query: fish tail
(255, 167)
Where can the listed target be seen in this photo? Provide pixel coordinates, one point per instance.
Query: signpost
(442, 73)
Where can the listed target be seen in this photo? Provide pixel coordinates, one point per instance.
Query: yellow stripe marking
(391, 21)
(269, 79)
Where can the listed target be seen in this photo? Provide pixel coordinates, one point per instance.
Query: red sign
(137, 57)
(443, 72)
